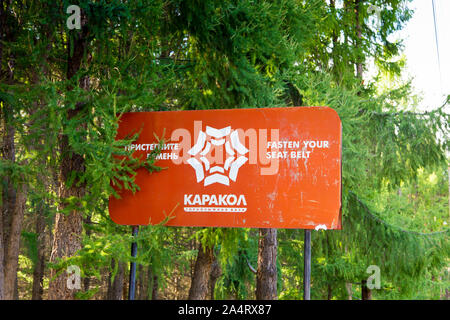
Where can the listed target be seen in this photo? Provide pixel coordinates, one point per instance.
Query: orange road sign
(251, 168)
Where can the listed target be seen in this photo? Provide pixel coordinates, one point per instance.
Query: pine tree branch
(378, 219)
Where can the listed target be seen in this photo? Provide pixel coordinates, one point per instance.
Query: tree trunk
(335, 50)
(116, 287)
(266, 276)
(140, 283)
(216, 272)
(13, 245)
(12, 212)
(359, 64)
(87, 279)
(329, 292)
(202, 272)
(154, 281)
(66, 242)
(366, 293)
(348, 288)
(8, 192)
(38, 272)
(144, 282)
(2, 268)
(68, 227)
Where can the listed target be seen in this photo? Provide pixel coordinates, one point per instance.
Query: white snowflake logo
(235, 158)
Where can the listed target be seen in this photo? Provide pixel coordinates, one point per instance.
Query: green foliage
(174, 55)
(238, 251)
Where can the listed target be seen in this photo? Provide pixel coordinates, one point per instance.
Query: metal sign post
(132, 287)
(307, 266)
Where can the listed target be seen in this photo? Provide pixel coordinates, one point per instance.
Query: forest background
(62, 85)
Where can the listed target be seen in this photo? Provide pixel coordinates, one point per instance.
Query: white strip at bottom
(214, 209)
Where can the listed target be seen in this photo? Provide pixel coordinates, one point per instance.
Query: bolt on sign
(252, 168)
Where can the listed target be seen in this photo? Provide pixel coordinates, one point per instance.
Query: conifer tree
(61, 91)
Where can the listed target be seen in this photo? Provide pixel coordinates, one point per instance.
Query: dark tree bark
(13, 208)
(335, 49)
(2, 268)
(366, 293)
(87, 279)
(155, 288)
(266, 276)
(147, 287)
(8, 194)
(329, 292)
(292, 96)
(140, 283)
(7, 151)
(154, 283)
(216, 272)
(359, 64)
(13, 245)
(116, 287)
(39, 268)
(12, 211)
(202, 272)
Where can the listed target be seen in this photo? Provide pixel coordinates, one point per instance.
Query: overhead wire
(437, 43)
